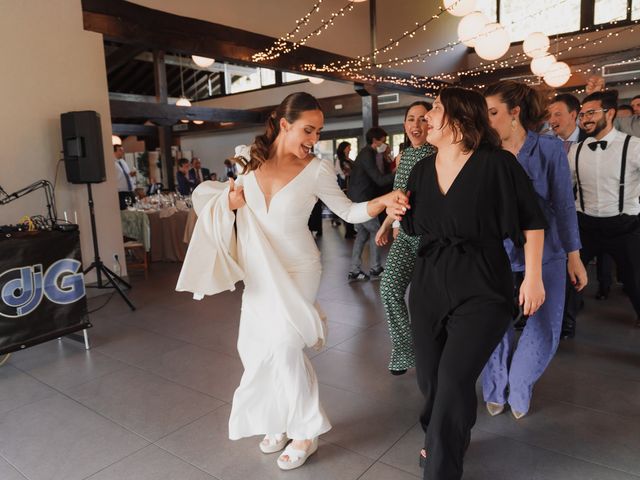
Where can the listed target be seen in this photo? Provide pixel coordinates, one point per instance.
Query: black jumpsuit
(461, 297)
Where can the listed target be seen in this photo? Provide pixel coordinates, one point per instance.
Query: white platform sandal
(296, 457)
(273, 443)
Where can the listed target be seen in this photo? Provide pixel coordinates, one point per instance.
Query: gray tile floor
(150, 401)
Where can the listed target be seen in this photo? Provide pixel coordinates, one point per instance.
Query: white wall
(50, 65)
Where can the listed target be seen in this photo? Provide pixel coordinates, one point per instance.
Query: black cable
(104, 304)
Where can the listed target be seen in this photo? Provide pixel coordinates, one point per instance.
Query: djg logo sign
(22, 289)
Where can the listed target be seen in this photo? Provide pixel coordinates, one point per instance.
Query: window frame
(587, 18)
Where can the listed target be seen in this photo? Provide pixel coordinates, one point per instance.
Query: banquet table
(165, 232)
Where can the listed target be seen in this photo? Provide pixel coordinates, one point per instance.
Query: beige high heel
(495, 408)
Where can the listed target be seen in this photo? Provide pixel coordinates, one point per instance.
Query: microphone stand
(48, 192)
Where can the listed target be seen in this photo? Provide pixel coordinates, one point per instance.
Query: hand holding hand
(397, 203)
(236, 195)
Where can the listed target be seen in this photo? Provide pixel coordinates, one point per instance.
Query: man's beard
(599, 126)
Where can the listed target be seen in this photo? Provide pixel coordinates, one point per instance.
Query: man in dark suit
(185, 186)
(198, 174)
(365, 182)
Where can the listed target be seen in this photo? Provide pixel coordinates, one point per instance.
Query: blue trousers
(514, 368)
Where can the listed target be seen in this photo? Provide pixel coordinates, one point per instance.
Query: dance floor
(151, 400)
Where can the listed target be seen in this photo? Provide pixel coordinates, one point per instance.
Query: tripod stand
(111, 277)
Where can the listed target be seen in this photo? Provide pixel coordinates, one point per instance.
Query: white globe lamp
(183, 102)
(536, 45)
(116, 140)
(315, 80)
(470, 27)
(557, 75)
(540, 65)
(459, 8)
(493, 42)
(203, 62)
(198, 122)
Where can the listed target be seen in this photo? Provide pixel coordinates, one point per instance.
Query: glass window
(396, 141)
(610, 10)
(267, 77)
(522, 17)
(324, 150)
(353, 141)
(635, 10)
(288, 77)
(241, 79)
(489, 8)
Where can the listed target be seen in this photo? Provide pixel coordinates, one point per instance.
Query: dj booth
(42, 290)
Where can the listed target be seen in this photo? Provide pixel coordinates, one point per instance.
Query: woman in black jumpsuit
(465, 201)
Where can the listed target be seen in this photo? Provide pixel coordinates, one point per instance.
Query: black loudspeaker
(82, 144)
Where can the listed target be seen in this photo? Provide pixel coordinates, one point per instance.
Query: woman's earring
(513, 123)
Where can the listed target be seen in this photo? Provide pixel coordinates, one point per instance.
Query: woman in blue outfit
(515, 111)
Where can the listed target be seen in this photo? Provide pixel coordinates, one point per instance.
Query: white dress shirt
(600, 176)
(122, 171)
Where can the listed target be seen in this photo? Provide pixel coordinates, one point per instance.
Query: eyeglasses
(591, 113)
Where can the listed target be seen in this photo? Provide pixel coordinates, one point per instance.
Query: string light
(286, 44)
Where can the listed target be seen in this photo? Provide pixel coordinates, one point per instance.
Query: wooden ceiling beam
(170, 114)
(131, 23)
(123, 55)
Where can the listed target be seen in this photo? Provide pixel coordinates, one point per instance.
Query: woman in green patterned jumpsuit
(402, 255)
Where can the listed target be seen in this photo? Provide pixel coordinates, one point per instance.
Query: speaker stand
(112, 279)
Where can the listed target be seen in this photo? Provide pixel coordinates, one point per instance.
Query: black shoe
(358, 276)
(375, 274)
(567, 334)
(603, 293)
(397, 373)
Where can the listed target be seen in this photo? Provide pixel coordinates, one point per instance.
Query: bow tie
(594, 145)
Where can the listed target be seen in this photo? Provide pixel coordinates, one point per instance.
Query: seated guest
(624, 111)
(185, 186)
(213, 177)
(197, 174)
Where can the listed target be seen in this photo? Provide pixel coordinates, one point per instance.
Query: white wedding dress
(276, 256)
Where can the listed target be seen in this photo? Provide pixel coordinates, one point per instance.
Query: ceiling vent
(621, 71)
(388, 98)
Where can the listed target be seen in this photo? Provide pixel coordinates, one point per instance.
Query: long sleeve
(371, 169)
(327, 190)
(213, 240)
(562, 200)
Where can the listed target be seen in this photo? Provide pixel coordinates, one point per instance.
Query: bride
(255, 230)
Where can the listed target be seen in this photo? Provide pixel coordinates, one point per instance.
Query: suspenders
(623, 169)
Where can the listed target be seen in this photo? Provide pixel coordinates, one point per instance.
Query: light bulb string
(409, 59)
(428, 84)
(519, 61)
(286, 44)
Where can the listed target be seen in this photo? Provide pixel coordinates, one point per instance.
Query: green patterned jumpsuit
(398, 272)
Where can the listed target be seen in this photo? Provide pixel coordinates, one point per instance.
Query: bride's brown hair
(290, 109)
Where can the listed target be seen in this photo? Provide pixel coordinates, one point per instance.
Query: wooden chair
(136, 257)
